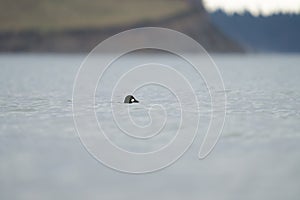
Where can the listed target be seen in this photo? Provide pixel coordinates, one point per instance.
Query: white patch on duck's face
(132, 100)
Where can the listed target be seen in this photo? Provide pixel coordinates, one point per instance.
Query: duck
(130, 99)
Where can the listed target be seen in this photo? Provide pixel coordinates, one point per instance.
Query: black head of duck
(130, 99)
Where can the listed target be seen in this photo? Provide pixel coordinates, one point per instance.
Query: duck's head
(130, 99)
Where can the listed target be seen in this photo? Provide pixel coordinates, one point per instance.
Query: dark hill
(275, 33)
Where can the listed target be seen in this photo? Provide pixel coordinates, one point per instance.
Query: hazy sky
(256, 7)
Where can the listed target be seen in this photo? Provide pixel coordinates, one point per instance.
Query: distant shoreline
(193, 23)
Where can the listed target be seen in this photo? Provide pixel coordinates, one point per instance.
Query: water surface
(257, 157)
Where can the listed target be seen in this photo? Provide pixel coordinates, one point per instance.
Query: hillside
(60, 15)
(78, 25)
(275, 33)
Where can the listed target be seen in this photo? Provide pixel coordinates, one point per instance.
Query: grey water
(257, 156)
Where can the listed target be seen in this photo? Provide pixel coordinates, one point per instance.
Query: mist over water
(257, 156)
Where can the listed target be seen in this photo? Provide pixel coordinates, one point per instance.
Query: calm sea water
(257, 156)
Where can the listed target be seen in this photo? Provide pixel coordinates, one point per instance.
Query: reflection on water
(257, 156)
